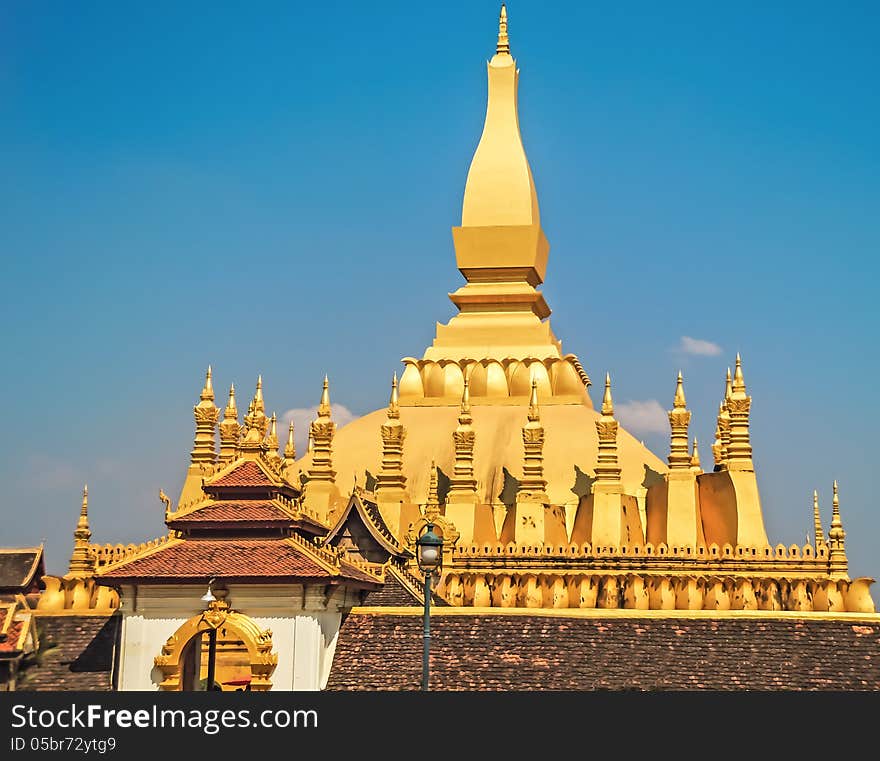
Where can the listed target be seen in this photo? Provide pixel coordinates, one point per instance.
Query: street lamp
(209, 597)
(429, 559)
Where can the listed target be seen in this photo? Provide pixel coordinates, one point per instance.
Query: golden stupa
(543, 500)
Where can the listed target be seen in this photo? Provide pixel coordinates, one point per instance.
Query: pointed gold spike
(207, 394)
(679, 400)
(607, 401)
(324, 406)
(503, 45)
(728, 389)
(695, 458)
(231, 411)
(534, 410)
(739, 384)
(290, 447)
(394, 402)
(817, 520)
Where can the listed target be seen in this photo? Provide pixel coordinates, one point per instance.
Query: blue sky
(270, 187)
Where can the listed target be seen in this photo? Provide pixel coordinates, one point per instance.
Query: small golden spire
(273, 430)
(695, 458)
(817, 520)
(207, 394)
(836, 535)
(258, 396)
(716, 447)
(503, 45)
(324, 406)
(83, 523)
(739, 384)
(728, 390)
(231, 411)
(464, 413)
(310, 445)
(81, 562)
(432, 507)
(678, 401)
(394, 402)
(607, 401)
(534, 412)
(836, 531)
(290, 447)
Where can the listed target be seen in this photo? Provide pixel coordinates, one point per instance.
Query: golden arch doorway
(221, 645)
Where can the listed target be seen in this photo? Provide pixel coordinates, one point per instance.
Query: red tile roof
(543, 652)
(10, 642)
(249, 473)
(257, 511)
(231, 559)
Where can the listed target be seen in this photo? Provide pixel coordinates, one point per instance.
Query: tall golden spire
(229, 428)
(607, 467)
(432, 506)
(463, 484)
(390, 480)
(290, 446)
(322, 430)
(533, 481)
(503, 46)
(679, 420)
(324, 405)
(81, 561)
(739, 448)
(696, 466)
(255, 423)
(206, 414)
(272, 442)
(817, 522)
(394, 401)
(836, 537)
(724, 424)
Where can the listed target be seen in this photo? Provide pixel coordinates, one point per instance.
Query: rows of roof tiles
(228, 511)
(497, 652)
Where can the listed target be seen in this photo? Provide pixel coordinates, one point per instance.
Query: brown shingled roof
(247, 474)
(20, 568)
(231, 559)
(229, 511)
(543, 652)
(11, 631)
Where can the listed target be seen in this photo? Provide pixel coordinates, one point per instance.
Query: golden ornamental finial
(231, 411)
(607, 401)
(290, 447)
(817, 520)
(836, 523)
(207, 394)
(534, 411)
(466, 398)
(728, 389)
(679, 402)
(259, 405)
(695, 458)
(81, 562)
(84, 509)
(739, 384)
(503, 45)
(394, 402)
(324, 406)
(274, 432)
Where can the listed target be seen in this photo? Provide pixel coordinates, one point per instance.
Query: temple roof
(379, 650)
(235, 512)
(243, 474)
(20, 568)
(370, 517)
(276, 560)
(15, 624)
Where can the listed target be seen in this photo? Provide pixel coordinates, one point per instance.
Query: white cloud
(699, 346)
(303, 416)
(642, 417)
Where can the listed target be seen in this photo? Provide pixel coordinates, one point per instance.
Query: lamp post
(208, 597)
(429, 558)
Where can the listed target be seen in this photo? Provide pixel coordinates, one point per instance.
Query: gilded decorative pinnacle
(324, 406)
(534, 412)
(679, 402)
(503, 45)
(394, 402)
(290, 447)
(465, 399)
(739, 384)
(728, 390)
(607, 401)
